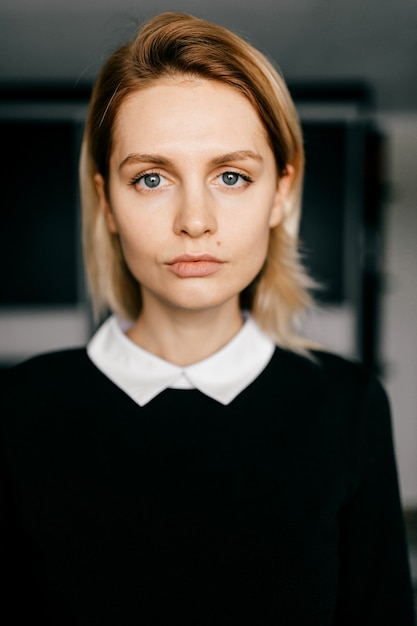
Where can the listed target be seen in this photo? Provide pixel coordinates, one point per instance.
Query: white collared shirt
(143, 375)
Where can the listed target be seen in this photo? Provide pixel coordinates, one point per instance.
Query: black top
(281, 508)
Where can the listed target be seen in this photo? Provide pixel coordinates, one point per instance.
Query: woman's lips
(186, 266)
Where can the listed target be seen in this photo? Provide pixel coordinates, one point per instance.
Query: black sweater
(281, 508)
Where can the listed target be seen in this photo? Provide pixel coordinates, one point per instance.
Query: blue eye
(151, 180)
(230, 178)
(234, 179)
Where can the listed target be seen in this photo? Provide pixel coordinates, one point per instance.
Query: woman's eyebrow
(140, 157)
(157, 159)
(238, 155)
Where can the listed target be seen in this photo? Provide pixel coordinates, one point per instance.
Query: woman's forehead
(188, 110)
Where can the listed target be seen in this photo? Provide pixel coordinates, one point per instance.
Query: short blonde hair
(181, 44)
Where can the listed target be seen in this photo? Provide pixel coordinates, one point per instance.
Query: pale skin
(191, 173)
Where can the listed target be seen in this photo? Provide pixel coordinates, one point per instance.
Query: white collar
(142, 375)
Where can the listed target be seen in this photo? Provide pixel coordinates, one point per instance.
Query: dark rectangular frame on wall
(43, 298)
(342, 207)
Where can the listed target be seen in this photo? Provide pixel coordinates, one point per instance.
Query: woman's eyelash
(245, 177)
(138, 177)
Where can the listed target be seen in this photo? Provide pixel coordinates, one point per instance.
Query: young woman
(199, 462)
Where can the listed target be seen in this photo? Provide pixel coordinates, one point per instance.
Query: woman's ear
(281, 196)
(104, 203)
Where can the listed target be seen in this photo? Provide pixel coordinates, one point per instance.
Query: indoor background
(352, 70)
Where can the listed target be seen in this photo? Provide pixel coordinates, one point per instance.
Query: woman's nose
(195, 215)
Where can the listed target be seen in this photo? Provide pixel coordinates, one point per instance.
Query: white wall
(25, 333)
(399, 303)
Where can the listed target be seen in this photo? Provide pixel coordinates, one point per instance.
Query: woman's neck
(185, 337)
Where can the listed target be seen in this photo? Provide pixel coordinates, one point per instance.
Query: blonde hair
(181, 44)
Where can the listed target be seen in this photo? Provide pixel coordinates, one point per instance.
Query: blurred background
(352, 70)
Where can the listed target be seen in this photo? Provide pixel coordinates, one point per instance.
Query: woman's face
(193, 192)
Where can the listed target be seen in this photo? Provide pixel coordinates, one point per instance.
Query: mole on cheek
(218, 243)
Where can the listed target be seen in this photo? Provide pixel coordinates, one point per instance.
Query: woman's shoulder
(44, 371)
(323, 364)
(328, 375)
(47, 362)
